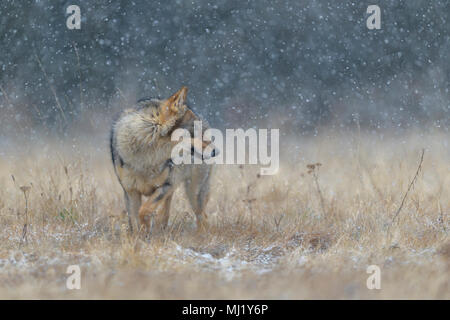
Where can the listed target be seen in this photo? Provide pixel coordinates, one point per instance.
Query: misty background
(295, 65)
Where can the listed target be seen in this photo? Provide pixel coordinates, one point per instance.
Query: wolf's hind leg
(202, 200)
(197, 190)
(133, 203)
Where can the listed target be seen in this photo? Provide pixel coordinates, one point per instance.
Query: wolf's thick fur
(141, 149)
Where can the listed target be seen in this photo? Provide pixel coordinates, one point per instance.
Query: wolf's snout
(204, 150)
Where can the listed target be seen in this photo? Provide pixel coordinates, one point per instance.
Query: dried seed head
(25, 189)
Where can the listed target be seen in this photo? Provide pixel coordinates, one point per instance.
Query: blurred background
(292, 64)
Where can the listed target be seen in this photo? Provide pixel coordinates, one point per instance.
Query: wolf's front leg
(133, 203)
(156, 207)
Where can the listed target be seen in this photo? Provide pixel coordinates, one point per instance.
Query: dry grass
(305, 233)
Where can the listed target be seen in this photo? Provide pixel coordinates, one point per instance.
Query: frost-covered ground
(269, 237)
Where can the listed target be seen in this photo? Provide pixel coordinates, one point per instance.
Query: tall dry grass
(308, 232)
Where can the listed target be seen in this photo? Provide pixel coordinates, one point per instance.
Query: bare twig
(313, 169)
(52, 89)
(410, 186)
(156, 86)
(79, 71)
(249, 201)
(277, 222)
(441, 217)
(5, 95)
(25, 190)
(121, 94)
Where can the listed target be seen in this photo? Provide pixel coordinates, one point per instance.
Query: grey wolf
(141, 146)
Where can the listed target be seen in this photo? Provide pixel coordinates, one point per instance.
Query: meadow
(342, 201)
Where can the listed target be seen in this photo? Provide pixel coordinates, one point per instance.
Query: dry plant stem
(8, 101)
(25, 226)
(249, 201)
(319, 191)
(5, 95)
(52, 89)
(121, 94)
(277, 221)
(156, 85)
(410, 186)
(79, 70)
(441, 217)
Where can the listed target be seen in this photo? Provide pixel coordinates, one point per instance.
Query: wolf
(141, 146)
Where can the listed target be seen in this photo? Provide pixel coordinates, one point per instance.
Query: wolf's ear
(177, 100)
(174, 107)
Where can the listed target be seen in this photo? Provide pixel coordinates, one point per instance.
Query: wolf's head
(199, 148)
(164, 112)
(172, 114)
